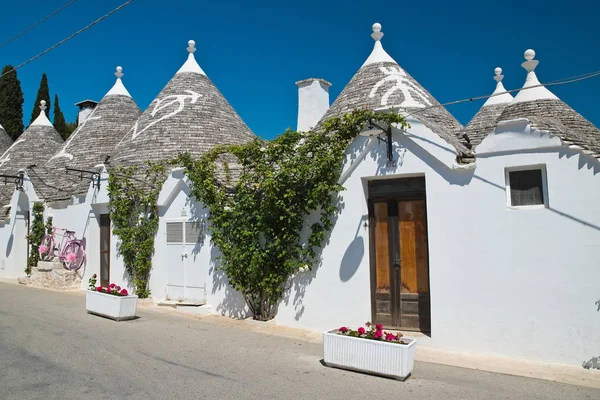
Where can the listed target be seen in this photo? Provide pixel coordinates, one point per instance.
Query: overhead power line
(557, 82)
(37, 23)
(69, 38)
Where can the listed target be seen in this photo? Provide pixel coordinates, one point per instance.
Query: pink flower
(343, 329)
(379, 327)
(378, 334)
(108, 290)
(124, 292)
(71, 257)
(43, 249)
(390, 337)
(118, 288)
(112, 285)
(99, 289)
(361, 331)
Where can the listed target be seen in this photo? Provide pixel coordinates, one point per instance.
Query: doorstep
(177, 303)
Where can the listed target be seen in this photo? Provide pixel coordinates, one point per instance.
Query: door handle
(397, 262)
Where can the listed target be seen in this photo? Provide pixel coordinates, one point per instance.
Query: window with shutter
(174, 232)
(194, 232)
(526, 187)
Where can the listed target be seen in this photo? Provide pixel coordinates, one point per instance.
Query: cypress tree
(42, 94)
(11, 102)
(59, 120)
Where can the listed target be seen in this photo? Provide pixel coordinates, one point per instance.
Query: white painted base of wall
(371, 356)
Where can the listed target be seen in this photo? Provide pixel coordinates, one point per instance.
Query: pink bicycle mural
(70, 251)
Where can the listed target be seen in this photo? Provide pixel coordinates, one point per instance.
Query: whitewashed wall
(518, 283)
(80, 217)
(13, 258)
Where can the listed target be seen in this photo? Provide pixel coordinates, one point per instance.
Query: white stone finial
(499, 76)
(43, 105)
(119, 74)
(191, 47)
(529, 54)
(377, 34)
(530, 64)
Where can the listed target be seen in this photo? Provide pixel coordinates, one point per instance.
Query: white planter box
(116, 307)
(371, 356)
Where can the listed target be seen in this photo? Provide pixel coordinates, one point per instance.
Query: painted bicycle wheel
(46, 248)
(74, 256)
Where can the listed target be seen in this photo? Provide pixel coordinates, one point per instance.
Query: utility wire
(37, 23)
(557, 82)
(69, 38)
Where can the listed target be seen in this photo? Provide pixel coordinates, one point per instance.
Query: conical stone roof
(90, 144)
(188, 115)
(5, 140)
(487, 117)
(383, 84)
(547, 112)
(34, 147)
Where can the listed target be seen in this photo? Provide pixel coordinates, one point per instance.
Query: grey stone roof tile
(386, 85)
(189, 115)
(5, 140)
(559, 119)
(87, 147)
(34, 147)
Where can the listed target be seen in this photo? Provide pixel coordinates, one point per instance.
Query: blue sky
(255, 51)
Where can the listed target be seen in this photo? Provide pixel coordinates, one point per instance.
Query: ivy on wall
(37, 231)
(133, 207)
(259, 196)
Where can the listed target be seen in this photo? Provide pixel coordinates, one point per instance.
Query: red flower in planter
(343, 329)
(379, 327)
(112, 285)
(124, 292)
(118, 288)
(99, 289)
(390, 336)
(378, 334)
(361, 331)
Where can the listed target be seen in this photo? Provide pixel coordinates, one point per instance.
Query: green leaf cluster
(134, 215)
(260, 196)
(42, 94)
(37, 232)
(11, 102)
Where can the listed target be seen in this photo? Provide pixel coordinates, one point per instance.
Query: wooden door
(104, 250)
(400, 266)
(414, 265)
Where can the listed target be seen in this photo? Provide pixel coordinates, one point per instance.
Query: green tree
(71, 126)
(11, 102)
(42, 94)
(36, 234)
(59, 120)
(270, 221)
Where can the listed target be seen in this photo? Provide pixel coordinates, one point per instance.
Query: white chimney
(313, 102)
(85, 109)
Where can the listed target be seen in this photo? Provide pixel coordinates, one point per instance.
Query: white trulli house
(496, 254)
(485, 237)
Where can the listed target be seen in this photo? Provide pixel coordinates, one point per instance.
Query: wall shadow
(592, 363)
(233, 303)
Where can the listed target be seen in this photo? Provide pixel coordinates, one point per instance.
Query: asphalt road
(50, 348)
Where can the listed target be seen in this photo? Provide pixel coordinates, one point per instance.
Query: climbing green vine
(271, 205)
(133, 207)
(36, 234)
(260, 196)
